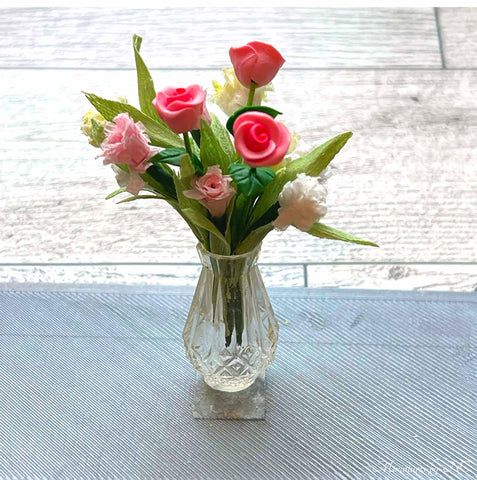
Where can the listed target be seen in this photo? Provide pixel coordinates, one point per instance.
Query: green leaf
(173, 156)
(237, 226)
(156, 186)
(223, 137)
(145, 85)
(257, 108)
(163, 178)
(269, 216)
(197, 164)
(229, 213)
(253, 239)
(183, 182)
(159, 134)
(199, 233)
(250, 181)
(139, 197)
(196, 136)
(203, 222)
(319, 158)
(321, 230)
(311, 164)
(218, 246)
(211, 150)
(116, 192)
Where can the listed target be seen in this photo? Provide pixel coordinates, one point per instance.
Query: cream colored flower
(232, 95)
(96, 136)
(302, 203)
(295, 139)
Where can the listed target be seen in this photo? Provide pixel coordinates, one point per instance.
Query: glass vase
(231, 333)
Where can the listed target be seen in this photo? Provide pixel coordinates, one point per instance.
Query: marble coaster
(248, 404)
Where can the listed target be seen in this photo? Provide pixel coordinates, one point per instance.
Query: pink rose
(182, 108)
(213, 190)
(256, 61)
(260, 140)
(126, 143)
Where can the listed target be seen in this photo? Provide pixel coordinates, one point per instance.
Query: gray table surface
(366, 385)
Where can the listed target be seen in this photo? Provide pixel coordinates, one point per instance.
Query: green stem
(231, 283)
(251, 93)
(187, 144)
(245, 218)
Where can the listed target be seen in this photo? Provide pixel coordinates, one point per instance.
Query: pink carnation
(126, 143)
(212, 190)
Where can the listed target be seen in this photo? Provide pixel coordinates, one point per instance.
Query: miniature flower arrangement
(231, 184)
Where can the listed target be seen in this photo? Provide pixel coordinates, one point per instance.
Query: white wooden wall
(404, 80)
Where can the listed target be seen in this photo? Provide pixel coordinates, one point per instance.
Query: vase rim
(201, 249)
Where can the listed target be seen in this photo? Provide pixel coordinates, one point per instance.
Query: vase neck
(221, 263)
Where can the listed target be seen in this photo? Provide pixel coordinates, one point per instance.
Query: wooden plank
(308, 38)
(458, 278)
(459, 36)
(179, 275)
(407, 179)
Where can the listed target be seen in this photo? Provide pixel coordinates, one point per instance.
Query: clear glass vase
(231, 333)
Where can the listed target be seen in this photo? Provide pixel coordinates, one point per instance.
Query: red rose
(257, 61)
(260, 140)
(182, 108)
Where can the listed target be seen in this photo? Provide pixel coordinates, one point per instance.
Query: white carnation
(302, 203)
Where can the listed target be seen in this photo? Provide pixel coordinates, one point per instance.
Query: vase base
(248, 404)
(229, 385)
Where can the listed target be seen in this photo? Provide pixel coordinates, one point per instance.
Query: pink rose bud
(212, 190)
(260, 140)
(256, 61)
(127, 143)
(182, 108)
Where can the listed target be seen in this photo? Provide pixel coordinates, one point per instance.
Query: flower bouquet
(232, 184)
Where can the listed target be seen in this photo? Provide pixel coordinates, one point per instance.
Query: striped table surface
(366, 385)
